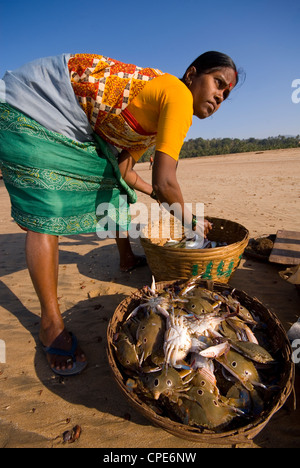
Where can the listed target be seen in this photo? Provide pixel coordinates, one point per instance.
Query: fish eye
(200, 392)
(246, 372)
(202, 383)
(234, 363)
(156, 382)
(145, 339)
(169, 383)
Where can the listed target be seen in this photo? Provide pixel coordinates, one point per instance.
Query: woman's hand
(207, 227)
(126, 165)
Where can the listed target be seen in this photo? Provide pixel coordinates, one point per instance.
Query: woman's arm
(164, 183)
(166, 186)
(168, 191)
(164, 179)
(126, 165)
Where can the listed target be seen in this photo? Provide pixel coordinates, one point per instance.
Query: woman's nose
(219, 97)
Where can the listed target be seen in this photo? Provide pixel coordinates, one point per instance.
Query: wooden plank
(286, 249)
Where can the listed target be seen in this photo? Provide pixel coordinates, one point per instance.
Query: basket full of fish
(203, 361)
(180, 258)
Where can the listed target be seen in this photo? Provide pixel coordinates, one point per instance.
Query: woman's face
(209, 90)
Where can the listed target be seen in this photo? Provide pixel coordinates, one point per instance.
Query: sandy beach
(258, 190)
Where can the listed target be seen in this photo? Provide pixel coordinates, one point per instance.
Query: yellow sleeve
(137, 154)
(164, 107)
(175, 119)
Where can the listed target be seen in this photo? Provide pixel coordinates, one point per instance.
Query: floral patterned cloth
(104, 88)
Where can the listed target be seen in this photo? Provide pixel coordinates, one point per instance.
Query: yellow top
(164, 107)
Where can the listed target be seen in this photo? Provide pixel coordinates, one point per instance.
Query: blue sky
(262, 37)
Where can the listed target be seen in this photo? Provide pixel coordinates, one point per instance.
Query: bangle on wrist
(194, 222)
(153, 195)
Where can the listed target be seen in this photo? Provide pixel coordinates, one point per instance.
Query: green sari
(57, 185)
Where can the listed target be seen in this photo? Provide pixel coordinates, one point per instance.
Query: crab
(178, 340)
(150, 334)
(168, 382)
(156, 301)
(203, 405)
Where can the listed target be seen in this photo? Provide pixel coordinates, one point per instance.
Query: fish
(195, 242)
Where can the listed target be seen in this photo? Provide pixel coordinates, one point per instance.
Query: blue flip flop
(77, 367)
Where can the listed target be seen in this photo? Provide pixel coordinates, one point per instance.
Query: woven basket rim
(224, 248)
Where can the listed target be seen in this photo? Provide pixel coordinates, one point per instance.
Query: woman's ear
(190, 73)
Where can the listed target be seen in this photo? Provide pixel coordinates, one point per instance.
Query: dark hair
(211, 61)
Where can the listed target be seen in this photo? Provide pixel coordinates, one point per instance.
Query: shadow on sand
(96, 388)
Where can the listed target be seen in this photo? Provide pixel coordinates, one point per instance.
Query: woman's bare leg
(127, 258)
(42, 261)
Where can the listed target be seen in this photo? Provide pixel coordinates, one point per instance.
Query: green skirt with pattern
(59, 186)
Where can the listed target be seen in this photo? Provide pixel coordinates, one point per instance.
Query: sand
(259, 190)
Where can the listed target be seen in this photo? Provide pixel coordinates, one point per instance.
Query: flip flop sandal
(77, 366)
(141, 261)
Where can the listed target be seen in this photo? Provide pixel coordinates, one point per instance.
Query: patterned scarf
(104, 87)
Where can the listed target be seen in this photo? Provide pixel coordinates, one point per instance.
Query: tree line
(199, 147)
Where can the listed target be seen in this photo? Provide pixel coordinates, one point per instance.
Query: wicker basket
(280, 348)
(217, 264)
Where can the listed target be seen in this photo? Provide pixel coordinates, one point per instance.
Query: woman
(59, 117)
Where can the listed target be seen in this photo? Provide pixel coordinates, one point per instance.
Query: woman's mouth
(212, 106)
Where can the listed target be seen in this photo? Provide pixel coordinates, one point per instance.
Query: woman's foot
(64, 354)
(128, 260)
(133, 262)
